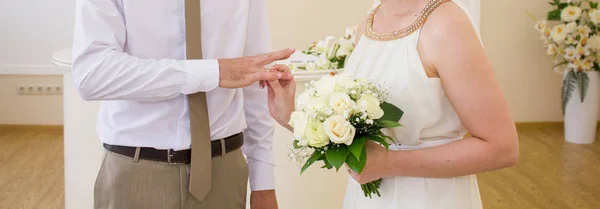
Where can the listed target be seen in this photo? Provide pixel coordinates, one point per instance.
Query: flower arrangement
(331, 52)
(574, 42)
(335, 116)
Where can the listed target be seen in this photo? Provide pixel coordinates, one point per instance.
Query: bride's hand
(377, 165)
(281, 97)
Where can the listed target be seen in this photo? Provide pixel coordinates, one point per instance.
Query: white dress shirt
(131, 55)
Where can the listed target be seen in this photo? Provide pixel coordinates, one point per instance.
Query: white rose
(323, 62)
(315, 134)
(346, 47)
(298, 120)
(571, 13)
(311, 66)
(302, 100)
(340, 103)
(371, 104)
(325, 85)
(595, 16)
(559, 33)
(339, 130)
(344, 81)
(316, 105)
(594, 42)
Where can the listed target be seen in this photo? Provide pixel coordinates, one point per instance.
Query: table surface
(63, 58)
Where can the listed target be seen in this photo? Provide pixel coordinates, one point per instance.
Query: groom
(178, 108)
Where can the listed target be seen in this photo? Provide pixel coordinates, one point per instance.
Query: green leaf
(554, 15)
(561, 6)
(314, 157)
(327, 164)
(296, 144)
(387, 123)
(357, 146)
(382, 140)
(594, 5)
(583, 81)
(390, 112)
(337, 156)
(357, 165)
(568, 88)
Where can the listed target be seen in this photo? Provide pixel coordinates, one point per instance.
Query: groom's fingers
(268, 58)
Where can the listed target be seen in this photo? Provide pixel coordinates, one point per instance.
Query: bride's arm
(450, 45)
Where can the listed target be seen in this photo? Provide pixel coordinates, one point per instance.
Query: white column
(82, 148)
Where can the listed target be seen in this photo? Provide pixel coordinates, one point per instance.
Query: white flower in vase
(571, 39)
(584, 31)
(582, 51)
(587, 64)
(546, 34)
(570, 13)
(541, 25)
(572, 26)
(594, 42)
(551, 50)
(570, 53)
(595, 16)
(559, 33)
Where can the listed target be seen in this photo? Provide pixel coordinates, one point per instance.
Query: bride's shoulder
(447, 20)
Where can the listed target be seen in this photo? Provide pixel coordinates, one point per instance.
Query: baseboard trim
(7, 69)
(29, 127)
(558, 124)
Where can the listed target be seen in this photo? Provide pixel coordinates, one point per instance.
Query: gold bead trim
(421, 19)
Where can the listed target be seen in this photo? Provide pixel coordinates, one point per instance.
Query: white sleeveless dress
(429, 120)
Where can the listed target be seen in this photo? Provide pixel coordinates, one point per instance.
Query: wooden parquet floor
(551, 174)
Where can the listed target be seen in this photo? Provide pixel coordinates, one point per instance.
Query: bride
(430, 58)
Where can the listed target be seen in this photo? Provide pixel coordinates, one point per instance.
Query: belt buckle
(169, 157)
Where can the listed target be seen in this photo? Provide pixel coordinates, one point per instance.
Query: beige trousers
(126, 183)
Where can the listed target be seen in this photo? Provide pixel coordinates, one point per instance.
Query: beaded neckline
(421, 19)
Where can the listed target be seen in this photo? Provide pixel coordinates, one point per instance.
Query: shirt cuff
(261, 175)
(202, 75)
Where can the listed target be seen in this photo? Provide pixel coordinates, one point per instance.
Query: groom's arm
(103, 71)
(258, 146)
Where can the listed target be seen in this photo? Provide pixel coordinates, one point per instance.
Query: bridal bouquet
(331, 52)
(574, 42)
(333, 120)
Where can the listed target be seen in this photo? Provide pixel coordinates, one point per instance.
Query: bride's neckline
(404, 32)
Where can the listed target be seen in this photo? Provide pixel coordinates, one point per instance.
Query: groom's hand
(244, 71)
(263, 200)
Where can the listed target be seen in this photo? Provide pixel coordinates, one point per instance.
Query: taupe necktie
(201, 167)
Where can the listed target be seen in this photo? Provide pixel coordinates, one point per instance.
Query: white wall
(31, 31)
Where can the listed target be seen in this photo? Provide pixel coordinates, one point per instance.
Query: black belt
(231, 143)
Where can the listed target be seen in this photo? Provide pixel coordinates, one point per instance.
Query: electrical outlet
(39, 89)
